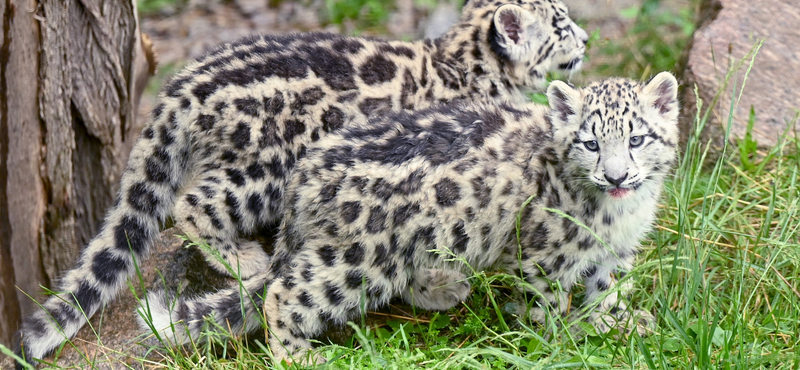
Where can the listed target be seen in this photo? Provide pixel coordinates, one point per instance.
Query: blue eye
(591, 145)
(637, 141)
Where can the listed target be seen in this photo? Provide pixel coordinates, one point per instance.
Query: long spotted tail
(156, 169)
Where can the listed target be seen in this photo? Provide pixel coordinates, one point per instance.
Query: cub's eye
(591, 145)
(636, 141)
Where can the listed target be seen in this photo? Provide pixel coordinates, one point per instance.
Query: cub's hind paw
(437, 289)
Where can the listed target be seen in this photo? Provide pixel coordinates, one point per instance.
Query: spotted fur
(228, 129)
(369, 207)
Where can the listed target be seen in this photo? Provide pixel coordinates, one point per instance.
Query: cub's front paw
(616, 318)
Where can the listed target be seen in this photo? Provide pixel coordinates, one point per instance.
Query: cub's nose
(580, 33)
(618, 181)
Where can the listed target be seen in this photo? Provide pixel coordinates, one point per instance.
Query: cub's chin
(619, 193)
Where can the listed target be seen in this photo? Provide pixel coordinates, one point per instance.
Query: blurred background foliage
(653, 43)
(365, 13)
(645, 38)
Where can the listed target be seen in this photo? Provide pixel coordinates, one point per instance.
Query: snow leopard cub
(370, 206)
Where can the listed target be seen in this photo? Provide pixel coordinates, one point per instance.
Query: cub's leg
(216, 211)
(292, 319)
(437, 289)
(611, 311)
(321, 286)
(541, 300)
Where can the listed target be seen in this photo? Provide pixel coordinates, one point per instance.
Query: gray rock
(727, 32)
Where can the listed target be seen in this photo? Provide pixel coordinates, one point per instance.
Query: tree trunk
(71, 73)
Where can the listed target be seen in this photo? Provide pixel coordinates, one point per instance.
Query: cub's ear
(661, 94)
(565, 102)
(514, 27)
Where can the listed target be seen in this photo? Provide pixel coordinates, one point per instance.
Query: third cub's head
(530, 36)
(617, 135)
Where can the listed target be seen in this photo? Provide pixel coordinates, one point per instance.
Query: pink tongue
(618, 193)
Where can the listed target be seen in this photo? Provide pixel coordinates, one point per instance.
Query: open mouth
(572, 64)
(618, 193)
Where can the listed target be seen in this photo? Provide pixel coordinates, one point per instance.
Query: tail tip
(156, 314)
(17, 345)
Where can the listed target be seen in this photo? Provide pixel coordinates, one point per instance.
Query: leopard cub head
(536, 36)
(619, 137)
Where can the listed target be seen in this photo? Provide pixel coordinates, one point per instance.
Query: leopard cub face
(536, 37)
(618, 147)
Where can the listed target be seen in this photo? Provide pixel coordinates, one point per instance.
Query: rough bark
(71, 73)
(21, 188)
